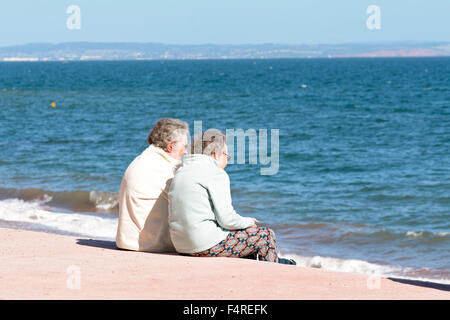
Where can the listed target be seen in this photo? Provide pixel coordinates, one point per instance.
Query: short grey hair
(209, 142)
(166, 130)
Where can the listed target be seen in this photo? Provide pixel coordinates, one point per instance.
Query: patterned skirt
(240, 243)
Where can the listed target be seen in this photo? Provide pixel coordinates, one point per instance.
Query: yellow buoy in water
(53, 104)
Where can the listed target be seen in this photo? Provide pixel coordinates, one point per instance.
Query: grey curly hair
(166, 130)
(209, 142)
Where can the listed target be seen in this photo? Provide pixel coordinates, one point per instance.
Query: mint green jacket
(201, 213)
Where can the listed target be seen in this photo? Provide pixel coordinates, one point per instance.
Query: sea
(363, 147)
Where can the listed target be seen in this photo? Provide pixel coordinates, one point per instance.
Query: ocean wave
(36, 213)
(392, 197)
(412, 234)
(347, 232)
(343, 265)
(426, 234)
(347, 235)
(368, 268)
(104, 200)
(384, 236)
(78, 200)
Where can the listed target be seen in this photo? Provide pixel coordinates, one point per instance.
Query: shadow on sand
(98, 243)
(105, 244)
(425, 284)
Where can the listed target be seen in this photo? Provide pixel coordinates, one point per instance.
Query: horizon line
(236, 44)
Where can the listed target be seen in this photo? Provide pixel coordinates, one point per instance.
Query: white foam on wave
(45, 199)
(412, 234)
(103, 200)
(343, 265)
(16, 210)
(421, 234)
(359, 266)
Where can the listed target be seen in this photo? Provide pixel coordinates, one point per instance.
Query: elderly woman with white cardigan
(202, 221)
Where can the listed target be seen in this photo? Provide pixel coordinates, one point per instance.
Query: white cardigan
(201, 213)
(143, 202)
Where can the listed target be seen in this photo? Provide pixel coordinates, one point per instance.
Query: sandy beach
(38, 265)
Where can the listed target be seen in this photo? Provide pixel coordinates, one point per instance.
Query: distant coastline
(78, 51)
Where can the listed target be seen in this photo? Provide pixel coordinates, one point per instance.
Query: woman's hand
(255, 221)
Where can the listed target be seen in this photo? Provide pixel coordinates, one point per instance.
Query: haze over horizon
(399, 42)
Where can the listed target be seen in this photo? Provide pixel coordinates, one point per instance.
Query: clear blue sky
(224, 21)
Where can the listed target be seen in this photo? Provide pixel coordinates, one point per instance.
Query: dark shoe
(252, 256)
(286, 261)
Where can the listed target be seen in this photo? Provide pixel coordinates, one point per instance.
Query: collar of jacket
(196, 157)
(164, 154)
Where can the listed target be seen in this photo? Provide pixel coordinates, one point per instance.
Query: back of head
(166, 130)
(212, 141)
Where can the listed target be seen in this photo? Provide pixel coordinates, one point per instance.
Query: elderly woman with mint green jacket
(202, 221)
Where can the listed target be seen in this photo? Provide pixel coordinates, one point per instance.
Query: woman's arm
(226, 216)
